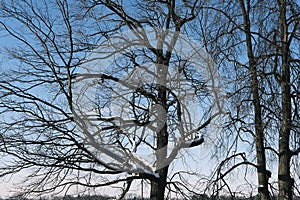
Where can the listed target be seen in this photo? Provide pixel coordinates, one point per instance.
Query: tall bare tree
(92, 86)
(257, 44)
(289, 70)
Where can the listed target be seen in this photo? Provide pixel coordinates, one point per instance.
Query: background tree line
(95, 197)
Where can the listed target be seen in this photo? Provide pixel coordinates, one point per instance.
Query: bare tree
(93, 86)
(256, 45)
(289, 70)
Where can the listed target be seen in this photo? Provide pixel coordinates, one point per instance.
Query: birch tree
(256, 49)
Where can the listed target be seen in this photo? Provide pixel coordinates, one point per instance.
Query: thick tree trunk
(284, 178)
(259, 137)
(158, 186)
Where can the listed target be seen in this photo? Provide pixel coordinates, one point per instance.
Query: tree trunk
(158, 186)
(284, 178)
(259, 137)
